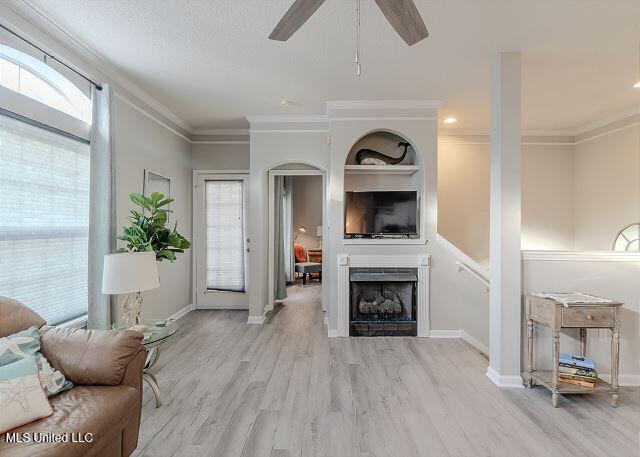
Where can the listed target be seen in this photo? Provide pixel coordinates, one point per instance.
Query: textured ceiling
(211, 63)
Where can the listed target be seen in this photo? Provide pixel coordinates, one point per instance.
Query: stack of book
(580, 371)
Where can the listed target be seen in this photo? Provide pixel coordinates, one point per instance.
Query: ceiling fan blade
(294, 18)
(405, 19)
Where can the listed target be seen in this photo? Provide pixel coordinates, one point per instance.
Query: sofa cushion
(102, 411)
(27, 344)
(90, 357)
(16, 317)
(22, 399)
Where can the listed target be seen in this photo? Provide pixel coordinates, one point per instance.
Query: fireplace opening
(383, 301)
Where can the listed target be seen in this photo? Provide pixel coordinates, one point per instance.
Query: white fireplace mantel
(421, 262)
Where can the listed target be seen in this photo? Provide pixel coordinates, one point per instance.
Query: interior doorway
(297, 233)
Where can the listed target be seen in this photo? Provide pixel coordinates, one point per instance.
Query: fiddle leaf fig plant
(147, 231)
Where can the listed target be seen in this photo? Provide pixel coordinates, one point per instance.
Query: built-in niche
(382, 201)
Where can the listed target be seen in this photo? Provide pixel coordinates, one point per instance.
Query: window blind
(224, 214)
(44, 220)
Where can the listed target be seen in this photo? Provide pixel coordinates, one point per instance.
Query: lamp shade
(129, 272)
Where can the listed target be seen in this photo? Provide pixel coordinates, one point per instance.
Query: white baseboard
(625, 380)
(474, 342)
(444, 334)
(256, 319)
(514, 382)
(178, 314)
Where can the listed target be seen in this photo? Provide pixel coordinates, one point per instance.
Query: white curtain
(102, 233)
(44, 219)
(279, 261)
(224, 220)
(289, 257)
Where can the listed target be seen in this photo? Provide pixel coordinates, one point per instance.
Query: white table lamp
(130, 273)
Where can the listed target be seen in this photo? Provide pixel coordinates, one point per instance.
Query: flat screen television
(381, 213)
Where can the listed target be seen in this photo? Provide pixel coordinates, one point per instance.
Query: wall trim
(217, 142)
(289, 131)
(514, 382)
(380, 118)
(287, 118)
(256, 320)
(444, 333)
(474, 342)
(149, 115)
(220, 132)
(382, 104)
(608, 132)
(606, 121)
(580, 256)
(181, 312)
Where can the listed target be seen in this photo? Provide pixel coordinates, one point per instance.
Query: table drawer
(588, 317)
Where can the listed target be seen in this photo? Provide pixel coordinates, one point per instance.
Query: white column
(505, 294)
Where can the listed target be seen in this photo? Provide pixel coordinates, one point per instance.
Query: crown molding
(586, 128)
(53, 31)
(383, 105)
(220, 132)
(288, 119)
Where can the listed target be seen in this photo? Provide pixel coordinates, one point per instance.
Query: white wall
(141, 144)
(463, 195)
(614, 280)
(606, 188)
(209, 156)
(307, 208)
(268, 150)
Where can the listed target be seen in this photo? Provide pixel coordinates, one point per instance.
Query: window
(44, 220)
(224, 218)
(28, 76)
(628, 239)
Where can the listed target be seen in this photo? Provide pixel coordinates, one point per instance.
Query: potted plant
(147, 232)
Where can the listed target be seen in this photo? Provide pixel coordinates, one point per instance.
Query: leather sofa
(106, 369)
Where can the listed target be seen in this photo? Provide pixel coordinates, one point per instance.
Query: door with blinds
(221, 245)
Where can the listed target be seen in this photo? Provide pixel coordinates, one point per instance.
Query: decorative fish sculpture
(371, 157)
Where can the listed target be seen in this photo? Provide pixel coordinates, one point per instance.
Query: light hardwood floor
(284, 389)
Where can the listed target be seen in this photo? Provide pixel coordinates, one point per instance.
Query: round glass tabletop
(154, 331)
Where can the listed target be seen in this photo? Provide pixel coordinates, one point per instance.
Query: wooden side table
(584, 316)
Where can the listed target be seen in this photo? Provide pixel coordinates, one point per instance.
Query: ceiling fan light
(450, 120)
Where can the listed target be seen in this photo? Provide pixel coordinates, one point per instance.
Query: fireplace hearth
(383, 301)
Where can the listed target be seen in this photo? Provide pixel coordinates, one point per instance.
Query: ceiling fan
(401, 14)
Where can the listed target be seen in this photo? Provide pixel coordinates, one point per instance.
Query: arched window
(628, 239)
(28, 76)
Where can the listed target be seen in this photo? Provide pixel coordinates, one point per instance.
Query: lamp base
(132, 309)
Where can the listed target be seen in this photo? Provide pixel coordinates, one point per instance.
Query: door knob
(589, 317)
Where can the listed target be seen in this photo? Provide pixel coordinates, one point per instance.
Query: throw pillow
(22, 399)
(26, 344)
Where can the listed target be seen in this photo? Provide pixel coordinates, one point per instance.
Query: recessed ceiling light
(450, 120)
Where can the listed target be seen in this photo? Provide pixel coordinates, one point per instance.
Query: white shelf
(381, 169)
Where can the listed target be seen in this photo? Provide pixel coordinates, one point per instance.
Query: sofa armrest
(92, 357)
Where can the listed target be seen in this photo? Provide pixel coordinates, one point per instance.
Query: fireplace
(382, 301)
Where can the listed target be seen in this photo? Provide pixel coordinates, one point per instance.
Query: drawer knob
(589, 317)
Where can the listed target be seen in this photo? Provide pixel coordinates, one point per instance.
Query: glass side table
(156, 333)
